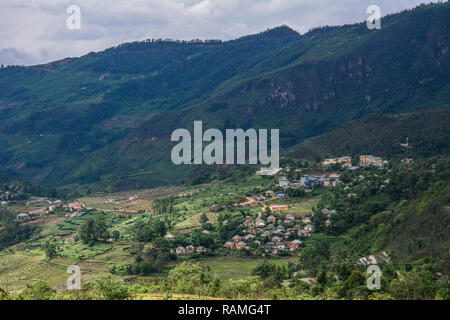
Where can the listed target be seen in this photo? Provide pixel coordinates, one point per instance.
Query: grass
(194, 222)
(21, 268)
(235, 268)
(80, 251)
(162, 296)
(299, 207)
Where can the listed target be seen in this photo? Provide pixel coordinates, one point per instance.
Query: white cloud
(36, 30)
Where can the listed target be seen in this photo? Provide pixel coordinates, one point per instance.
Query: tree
(39, 291)
(115, 235)
(93, 230)
(109, 287)
(187, 278)
(87, 231)
(203, 218)
(51, 248)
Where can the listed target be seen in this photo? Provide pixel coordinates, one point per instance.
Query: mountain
(103, 121)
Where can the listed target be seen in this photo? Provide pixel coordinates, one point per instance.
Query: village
(276, 230)
(43, 206)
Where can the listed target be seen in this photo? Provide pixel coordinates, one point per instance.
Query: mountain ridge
(104, 118)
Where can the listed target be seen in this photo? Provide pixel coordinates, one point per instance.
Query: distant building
(228, 245)
(278, 207)
(344, 159)
(241, 245)
(252, 230)
(249, 236)
(334, 175)
(180, 251)
(306, 220)
(289, 218)
(200, 249)
(269, 193)
(236, 238)
(265, 234)
(260, 223)
(366, 160)
(75, 206)
(169, 236)
(407, 160)
(283, 182)
(276, 239)
(295, 244)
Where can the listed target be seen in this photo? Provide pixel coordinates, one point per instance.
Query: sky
(36, 31)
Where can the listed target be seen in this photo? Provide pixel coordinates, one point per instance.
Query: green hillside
(104, 120)
(381, 134)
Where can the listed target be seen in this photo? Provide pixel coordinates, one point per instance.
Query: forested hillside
(104, 120)
(427, 133)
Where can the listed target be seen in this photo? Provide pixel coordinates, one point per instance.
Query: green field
(236, 268)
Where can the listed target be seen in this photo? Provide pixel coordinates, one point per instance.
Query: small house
(260, 223)
(200, 249)
(236, 238)
(295, 244)
(240, 245)
(278, 207)
(180, 251)
(276, 239)
(169, 236)
(228, 245)
(249, 236)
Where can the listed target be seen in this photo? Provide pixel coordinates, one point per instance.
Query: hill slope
(382, 134)
(104, 119)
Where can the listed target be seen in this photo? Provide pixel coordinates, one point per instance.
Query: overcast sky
(35, 31)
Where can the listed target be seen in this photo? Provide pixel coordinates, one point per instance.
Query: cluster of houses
(277, 235)
(38, 202)
(74, 209)
(10, 193)
(311, 181)
(345, 161)
(364, 161)
(188, 249)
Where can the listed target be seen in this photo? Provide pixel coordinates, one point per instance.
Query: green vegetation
(102, 136)
(102, 122)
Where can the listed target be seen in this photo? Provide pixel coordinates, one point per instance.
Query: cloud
(12, 56)
(35, 31)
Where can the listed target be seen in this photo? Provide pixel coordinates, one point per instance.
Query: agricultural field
(18, 269)
(121, 211)
(237, 268)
